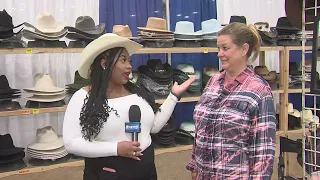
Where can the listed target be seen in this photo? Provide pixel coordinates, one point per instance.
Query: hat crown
(262, 70)
(4, 84)
(85, 23)
(187, 126)
(156, 65)
(45, 20)
(43, 81)
(210, 25)
(6, 19)
(46, 135)
(184, 27)
(283, 22)
(240, 19)
(210, 71)
(6, 141)
(186, 68)
(80, 80)
(156, 23)
(122, 30)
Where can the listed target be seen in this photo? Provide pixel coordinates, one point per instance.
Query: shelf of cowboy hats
(292, 91)
(77, 162)
(141, 51)
(186, 98)
(32, 111)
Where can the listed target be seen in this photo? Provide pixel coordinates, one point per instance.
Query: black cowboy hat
(6, 25)
(5, 88)
(7, 147)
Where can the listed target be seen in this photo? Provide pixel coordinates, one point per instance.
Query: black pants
(126, 168)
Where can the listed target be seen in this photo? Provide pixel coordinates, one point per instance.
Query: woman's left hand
(179, 89)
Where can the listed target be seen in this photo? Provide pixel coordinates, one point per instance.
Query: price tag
(206, 50)
(35, 111)
(28, 51)
(25, 171)
(25, 112)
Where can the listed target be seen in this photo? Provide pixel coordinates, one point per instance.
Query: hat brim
(12, 158)
(48, 90)
(11, 151)
(59, 27)
(46, 98)
(47, 146)
(2, 29)
(151, 29)
(103, 43)
(97, 30)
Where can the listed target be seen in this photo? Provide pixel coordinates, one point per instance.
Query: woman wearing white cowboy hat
(94, 123)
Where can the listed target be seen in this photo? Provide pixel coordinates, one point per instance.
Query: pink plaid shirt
(235, 130)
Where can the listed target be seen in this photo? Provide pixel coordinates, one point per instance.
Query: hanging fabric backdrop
(21, 69)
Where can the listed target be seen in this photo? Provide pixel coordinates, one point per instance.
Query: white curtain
(255, 11)
(21, 69)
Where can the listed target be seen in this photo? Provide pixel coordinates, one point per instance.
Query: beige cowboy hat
(291, 110)
(46, 139)
(308, 116)
(46, 23)
(103, 43)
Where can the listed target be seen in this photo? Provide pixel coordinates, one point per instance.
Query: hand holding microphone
(131, 149)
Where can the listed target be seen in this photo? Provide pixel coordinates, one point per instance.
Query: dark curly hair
(95, 110)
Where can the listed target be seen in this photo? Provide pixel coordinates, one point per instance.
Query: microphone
(134, 125)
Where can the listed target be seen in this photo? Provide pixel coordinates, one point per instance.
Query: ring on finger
(134, 153)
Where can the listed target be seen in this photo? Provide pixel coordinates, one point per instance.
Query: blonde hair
(240, 34)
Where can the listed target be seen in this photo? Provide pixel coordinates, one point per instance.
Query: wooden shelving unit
(141, 51)
(283, 92)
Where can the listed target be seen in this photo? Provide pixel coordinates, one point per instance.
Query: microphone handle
(134, 136)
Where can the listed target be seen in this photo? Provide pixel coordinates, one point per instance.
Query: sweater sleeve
(72, 135)
(164, 114)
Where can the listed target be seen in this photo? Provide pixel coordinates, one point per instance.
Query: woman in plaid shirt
(235, 116)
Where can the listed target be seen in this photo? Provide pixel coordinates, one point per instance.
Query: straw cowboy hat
(98, 46)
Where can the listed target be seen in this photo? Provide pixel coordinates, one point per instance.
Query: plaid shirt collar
(240, 78)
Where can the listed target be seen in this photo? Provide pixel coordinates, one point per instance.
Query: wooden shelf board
(292, 91)
(280, 133)
(278, 91)
(141, 51)
(292, 48)
(75, 163)
(32, 111)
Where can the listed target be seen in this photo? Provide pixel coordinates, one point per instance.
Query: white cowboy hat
(103, 43)
(46, 139)
(43, 83)
(46, 23)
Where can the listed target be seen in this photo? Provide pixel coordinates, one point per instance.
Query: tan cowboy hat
(103, 43)
(123, 31)
(265, 73)
(155, 24)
